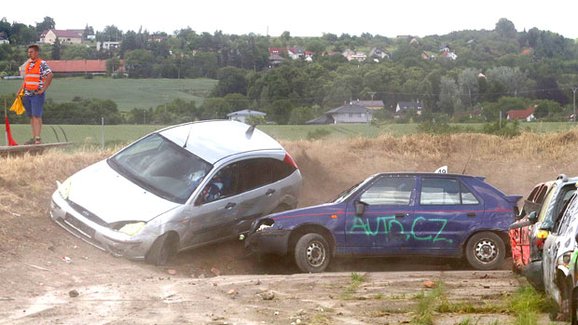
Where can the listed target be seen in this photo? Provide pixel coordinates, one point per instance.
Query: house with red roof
(521, 114)
(75, 67)
(65, 36)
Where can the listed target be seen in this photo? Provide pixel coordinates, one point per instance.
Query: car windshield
(161, 167)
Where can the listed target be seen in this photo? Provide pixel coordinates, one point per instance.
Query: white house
(348, 113)
(67, 36)
(244, 115)
(107, 45)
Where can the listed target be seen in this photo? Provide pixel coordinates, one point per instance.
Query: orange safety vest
(32, 75)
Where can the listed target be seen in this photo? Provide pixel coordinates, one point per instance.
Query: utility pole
(372, 93)
(574, 101)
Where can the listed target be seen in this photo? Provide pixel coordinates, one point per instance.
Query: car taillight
(290, 161)
(541, 238)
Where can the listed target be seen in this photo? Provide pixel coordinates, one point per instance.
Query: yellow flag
(17, 106)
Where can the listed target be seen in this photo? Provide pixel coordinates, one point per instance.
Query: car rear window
(445, 191)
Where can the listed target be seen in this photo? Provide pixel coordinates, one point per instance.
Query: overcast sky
(302, 18)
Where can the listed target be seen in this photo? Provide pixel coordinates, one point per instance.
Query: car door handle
(230, 205)
(401, 215)
(471, 214)
(270, 192)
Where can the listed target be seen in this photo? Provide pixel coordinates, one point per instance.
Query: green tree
(46, 24)
(56, 50)
(506, 28)
(231, 80)
(139, 63)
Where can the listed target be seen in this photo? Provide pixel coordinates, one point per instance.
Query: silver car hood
(111, 197)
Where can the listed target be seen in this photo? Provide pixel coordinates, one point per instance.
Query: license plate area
(79, 226)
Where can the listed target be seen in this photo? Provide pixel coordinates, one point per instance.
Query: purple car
(395, 214)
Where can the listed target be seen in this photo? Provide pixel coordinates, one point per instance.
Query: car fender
(564, 270)
(311, 227)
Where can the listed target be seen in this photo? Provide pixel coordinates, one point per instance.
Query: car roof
(216, 139)
(429, 174)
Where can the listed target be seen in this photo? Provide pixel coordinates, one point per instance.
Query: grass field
(126, 93)
(118, 134)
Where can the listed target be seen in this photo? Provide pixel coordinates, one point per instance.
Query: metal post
(574, 100)
(102, 132)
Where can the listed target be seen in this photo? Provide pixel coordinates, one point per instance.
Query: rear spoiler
(513, 198)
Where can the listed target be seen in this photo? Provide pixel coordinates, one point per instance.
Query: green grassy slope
(126, 93)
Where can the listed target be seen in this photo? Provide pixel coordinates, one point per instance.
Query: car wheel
(161, 250)
(312, 253)
(485, 251)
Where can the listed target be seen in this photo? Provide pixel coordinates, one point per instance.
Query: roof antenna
(188, 135)
(466, 165)
(250, 130)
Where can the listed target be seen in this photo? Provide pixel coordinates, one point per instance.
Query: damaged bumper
(267, 240)
(533, 273)
(95, 234)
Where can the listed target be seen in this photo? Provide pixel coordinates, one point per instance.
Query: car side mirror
(360, 208)
(533, 217)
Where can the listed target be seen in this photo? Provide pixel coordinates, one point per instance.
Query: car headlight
(132, 229)
(565, 259)
(64, 188)
(264, 224)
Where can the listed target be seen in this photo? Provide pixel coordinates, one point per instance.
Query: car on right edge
(559, 261)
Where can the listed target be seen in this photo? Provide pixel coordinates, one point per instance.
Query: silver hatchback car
(178, 188)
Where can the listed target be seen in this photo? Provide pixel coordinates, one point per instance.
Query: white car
(178, 188)
(560, 261)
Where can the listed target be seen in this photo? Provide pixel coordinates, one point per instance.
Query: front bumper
(533, 273)
(95, 233)
(268, 241)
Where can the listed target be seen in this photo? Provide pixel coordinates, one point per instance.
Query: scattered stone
(258, 282)
(73, 293)
(341, 313)
(215, 271)
(267, 295)
(66, 259)
(202, 276)
(232, 292)
(429, 284)
(276, 313)
(485, 276)
(172, 271)
(320, 309)
(486, 287)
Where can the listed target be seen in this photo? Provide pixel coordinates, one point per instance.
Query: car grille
(87, 214)
(79, 226)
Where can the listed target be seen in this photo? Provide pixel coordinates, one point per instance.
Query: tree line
(494, 70)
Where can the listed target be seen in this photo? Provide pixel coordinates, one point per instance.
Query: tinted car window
(566, 217)
(445, 191)
(467, 196)
(243, 176)
(389, 191)
(258, 172)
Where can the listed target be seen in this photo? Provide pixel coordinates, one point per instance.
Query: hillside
(126, 93)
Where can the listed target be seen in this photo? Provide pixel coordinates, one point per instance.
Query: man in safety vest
(37, 79)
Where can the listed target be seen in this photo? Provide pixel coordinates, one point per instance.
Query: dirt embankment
(36, 279)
